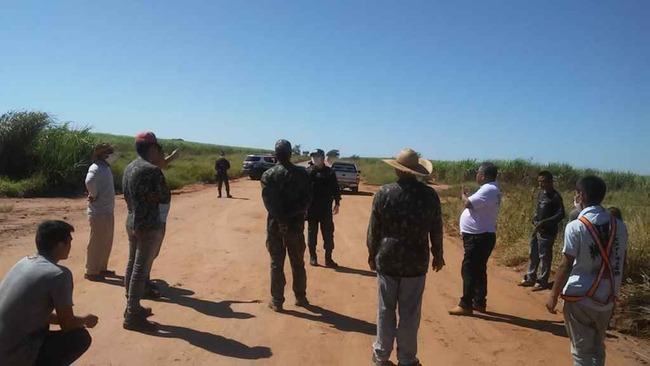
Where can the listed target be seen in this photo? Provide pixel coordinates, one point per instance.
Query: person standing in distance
(221, 166)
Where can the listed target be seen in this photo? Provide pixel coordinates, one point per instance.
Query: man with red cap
(147, 197)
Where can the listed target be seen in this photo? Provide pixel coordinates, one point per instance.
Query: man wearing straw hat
(101, 206)
(405, 216)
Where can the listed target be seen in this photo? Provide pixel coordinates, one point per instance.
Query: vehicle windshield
(252, 158)
(344, 167)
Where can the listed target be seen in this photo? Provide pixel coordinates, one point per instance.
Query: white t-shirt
(482, 217)
(579, 244)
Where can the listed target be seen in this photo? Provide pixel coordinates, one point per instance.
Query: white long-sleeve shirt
(100, 185)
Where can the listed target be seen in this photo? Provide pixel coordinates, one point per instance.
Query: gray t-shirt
(28, 295)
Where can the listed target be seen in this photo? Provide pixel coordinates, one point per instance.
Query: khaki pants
(100, 243)
(586, 328)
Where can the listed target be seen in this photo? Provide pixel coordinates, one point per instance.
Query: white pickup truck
(348, 175)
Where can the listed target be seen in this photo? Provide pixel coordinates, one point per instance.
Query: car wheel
(354, 189)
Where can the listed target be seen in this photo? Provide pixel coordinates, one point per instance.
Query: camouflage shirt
(325, 189)
(405, 216)
(286, 193)
(144, 188)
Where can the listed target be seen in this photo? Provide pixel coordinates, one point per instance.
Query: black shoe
(302, 302)
(94, 277)
(329, 262)
(275, 307)
(313, 261)
(229, 196)
(139, 324)
(107, 273)
(144, 311)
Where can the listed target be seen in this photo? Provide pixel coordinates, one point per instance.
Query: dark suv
(256, 165)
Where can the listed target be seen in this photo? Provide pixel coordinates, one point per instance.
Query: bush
(40, 157)
(19, 130)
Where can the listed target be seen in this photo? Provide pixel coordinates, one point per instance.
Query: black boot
(329, 261)
(313, 258)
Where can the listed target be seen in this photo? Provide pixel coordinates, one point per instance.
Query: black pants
(221, 180)
(279, 245)
(63, 348)
(326, 222)
(478, 248)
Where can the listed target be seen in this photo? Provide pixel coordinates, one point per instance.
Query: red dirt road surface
(214, 268)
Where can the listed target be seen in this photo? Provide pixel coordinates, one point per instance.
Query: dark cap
(283, 147)
(146, 137)
(317, 152)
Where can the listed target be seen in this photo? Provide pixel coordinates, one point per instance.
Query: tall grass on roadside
(19, 131)
(63, 155)
(39, 156)
(515, 172)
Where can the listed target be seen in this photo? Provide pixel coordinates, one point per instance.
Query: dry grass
(6, 207)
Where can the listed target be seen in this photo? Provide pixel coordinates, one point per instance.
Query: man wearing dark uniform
(325, 189)
(286, 193)
(221, 166)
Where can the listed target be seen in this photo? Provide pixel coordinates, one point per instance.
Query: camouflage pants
(279, 245)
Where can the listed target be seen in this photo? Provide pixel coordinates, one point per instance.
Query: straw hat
(408, 161)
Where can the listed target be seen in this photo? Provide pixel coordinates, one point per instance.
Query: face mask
(317, 160)
(111, 158)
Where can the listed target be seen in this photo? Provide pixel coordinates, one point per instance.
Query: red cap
(146, 137)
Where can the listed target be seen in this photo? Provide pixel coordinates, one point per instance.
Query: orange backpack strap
(605, 267)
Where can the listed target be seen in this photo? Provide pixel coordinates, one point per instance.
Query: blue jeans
(405, 294)
(144, 246)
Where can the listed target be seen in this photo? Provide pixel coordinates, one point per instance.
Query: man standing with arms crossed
(286, 193)
(548, 215)
(589, 277)
(405, 216)
(101, 206)
(325, 191)
(478, 227)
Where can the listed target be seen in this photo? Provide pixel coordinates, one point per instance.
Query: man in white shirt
(101, 206)
(478, 228)
(589, 277)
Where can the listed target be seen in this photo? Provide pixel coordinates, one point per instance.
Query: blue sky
(555, 81)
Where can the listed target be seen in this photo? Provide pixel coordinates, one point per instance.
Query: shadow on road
(213, 343)
(360, 193)
(339, 321)
(553, 327)
(360, 272)
(221, 309)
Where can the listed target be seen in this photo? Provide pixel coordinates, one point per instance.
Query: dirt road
(217, 270)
